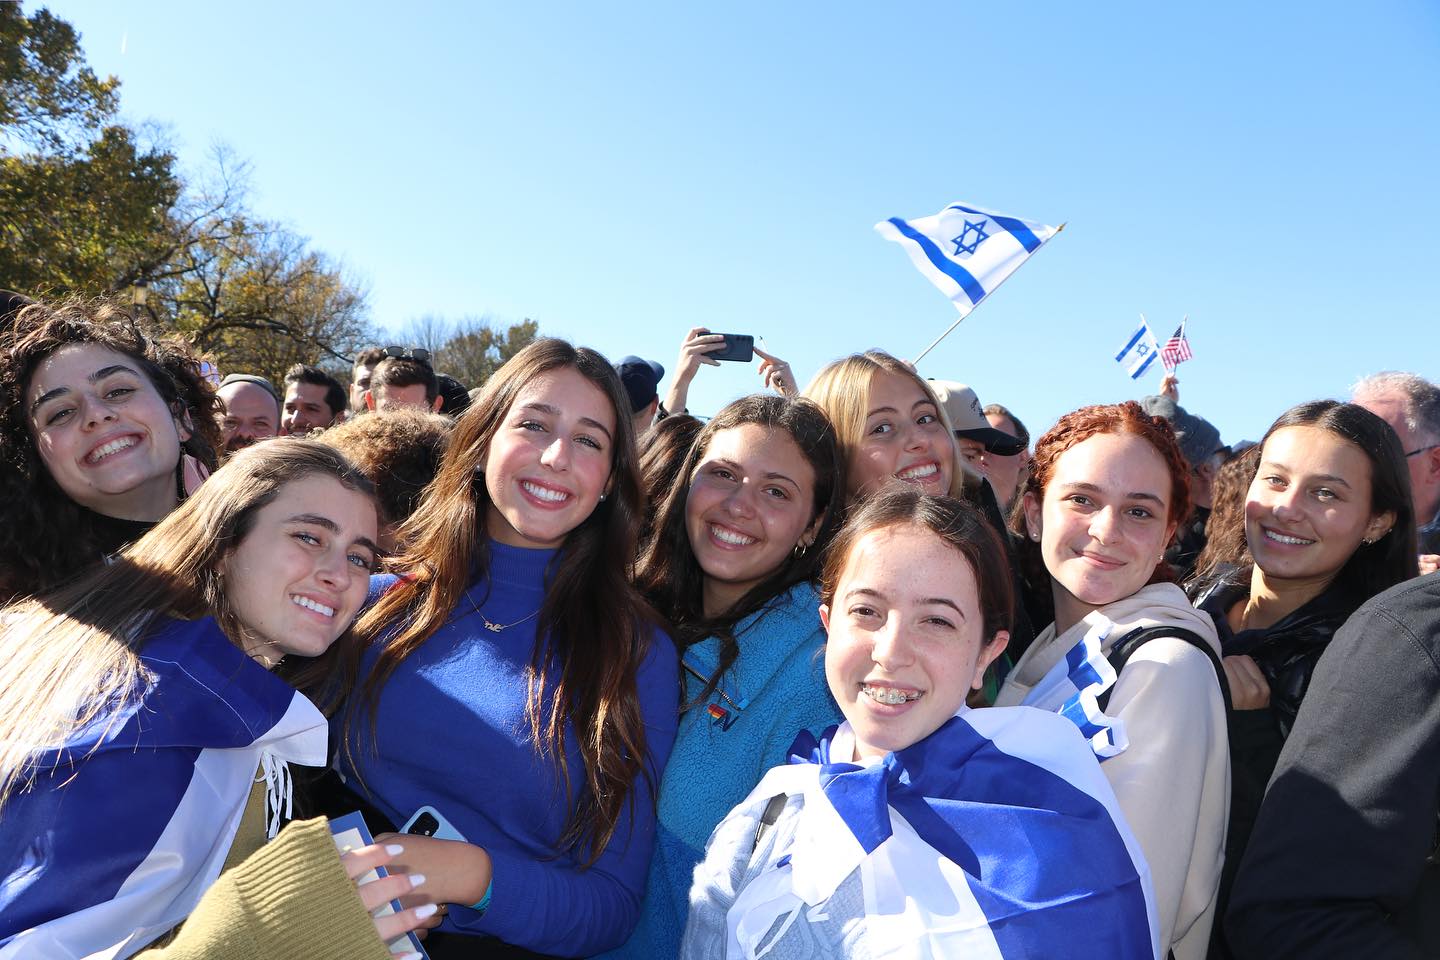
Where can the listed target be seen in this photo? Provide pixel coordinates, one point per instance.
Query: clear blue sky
(620, 172)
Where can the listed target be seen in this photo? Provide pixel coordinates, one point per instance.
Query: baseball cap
(967, 418)
(641, 379)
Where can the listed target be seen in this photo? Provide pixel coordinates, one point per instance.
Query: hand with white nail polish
(458, 872)
(420, 911)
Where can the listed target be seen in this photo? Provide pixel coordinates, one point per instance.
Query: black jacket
(1338, 865)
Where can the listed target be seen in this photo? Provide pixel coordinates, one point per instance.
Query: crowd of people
(856, 669)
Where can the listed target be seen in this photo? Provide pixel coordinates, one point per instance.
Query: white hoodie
(1173, 782)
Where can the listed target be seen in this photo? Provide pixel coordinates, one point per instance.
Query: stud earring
(602, 498)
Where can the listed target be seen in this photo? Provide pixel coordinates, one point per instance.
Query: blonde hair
(71, 657)
(842, 389)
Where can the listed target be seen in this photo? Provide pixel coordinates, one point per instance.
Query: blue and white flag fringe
(1073, 686)
(128, 824)
(1139, 351)
(965, 250)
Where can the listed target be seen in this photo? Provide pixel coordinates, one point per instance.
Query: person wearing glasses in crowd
(404, 378)
(1411, 405)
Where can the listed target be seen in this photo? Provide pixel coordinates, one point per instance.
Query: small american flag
(1177, 349)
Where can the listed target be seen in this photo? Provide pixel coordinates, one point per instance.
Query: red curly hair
(1079, 426)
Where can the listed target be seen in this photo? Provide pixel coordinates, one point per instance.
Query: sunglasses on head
(418, 354)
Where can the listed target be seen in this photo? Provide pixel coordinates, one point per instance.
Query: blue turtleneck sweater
(451, 733)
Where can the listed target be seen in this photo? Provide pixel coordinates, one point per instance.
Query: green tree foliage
(93, 207)
(50, 99)
(255, 297)
(473, 347)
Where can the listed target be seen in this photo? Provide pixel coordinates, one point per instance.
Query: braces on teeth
(889, 695)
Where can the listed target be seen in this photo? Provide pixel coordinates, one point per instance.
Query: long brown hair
(88, 664)
(669, 573)
(593, 630)
(45, 537)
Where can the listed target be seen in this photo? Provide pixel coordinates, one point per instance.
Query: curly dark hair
(44, 535)
(668, 572)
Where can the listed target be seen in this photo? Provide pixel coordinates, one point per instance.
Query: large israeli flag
(127, 826)
(1139, 351)
(967, 251)
(996, 838)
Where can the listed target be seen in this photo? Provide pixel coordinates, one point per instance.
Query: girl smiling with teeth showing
(920, 828)
(138, 704)
(736, 548)
(1330, 523)
(103, 430)
(516, 682)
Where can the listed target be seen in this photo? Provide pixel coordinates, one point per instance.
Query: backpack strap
(1123, 648)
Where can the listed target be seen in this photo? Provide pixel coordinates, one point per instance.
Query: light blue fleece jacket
(775, 688)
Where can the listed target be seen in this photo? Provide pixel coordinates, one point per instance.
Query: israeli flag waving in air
(967, 251)
(1139, 351)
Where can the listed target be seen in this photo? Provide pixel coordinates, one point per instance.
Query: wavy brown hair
(1074, 428)
(593, 630)
(88, 665)
(45, 537)
(670, 575)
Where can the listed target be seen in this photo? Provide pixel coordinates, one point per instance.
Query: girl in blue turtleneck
(518, 684)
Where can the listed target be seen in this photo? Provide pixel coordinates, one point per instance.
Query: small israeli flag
(966, 251)
(1139, 352)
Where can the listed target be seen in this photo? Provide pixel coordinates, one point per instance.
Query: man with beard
(252, 410)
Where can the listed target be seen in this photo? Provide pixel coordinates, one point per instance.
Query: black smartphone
(738, 346)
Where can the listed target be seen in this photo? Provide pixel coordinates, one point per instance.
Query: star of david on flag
(1139, 352)
(966, 251)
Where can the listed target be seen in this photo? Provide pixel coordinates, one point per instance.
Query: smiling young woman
(1329, 523)
(732, 563)
(1108, 487)
(515, 680)
(103, 430)
(138, 704)
(919, 827)
(892, 428)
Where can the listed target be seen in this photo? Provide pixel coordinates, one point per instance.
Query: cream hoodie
(1173, 783)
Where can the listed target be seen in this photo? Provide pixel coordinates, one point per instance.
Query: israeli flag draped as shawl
(128, 824)
(966, 250)
(1073, 686)
(995, 838)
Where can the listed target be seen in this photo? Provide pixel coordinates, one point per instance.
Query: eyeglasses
(418, 354)
(1419, 450)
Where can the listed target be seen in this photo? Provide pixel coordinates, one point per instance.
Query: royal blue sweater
(778, 685)
(451, 733)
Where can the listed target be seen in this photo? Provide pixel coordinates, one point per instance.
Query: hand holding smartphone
(739, 347)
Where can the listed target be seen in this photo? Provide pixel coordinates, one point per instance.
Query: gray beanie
(1197, 436)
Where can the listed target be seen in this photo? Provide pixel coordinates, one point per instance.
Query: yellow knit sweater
(287, 898)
